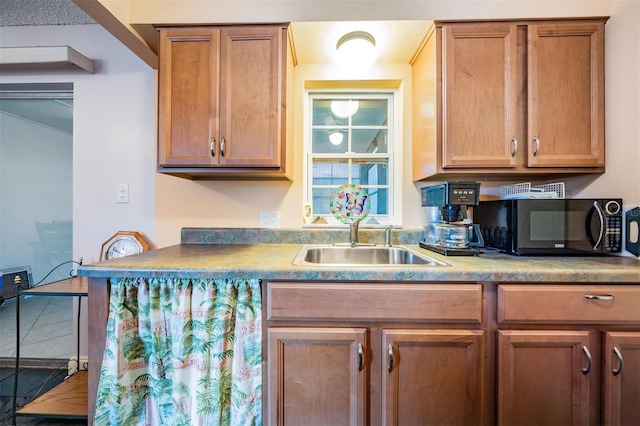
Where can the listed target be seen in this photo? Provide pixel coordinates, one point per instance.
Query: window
(351, 141)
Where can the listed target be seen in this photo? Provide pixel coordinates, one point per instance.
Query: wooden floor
(68, 399)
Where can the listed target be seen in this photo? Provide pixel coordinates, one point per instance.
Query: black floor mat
(32, 382)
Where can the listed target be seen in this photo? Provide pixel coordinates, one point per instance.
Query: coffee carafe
(447, 229)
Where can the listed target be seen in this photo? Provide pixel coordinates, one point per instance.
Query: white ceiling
(315, 42)
(396, 41)
(41, 12)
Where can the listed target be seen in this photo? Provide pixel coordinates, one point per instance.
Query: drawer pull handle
(599, 296)
(390, 358)
(586, 371)
(617, 352)
(360, 357)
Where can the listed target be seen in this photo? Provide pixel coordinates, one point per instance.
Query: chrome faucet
(387, 236)
(353, 232)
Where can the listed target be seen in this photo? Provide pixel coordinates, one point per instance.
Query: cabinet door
(479, 95)
(188, 97)
(433, 377)
(566, 95)
(317, 376)
(621, 373)
(251, 93)
(546, 377)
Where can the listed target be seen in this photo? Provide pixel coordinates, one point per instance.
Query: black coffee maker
(447, 229)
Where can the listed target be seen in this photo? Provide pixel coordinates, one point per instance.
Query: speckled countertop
(267, 255)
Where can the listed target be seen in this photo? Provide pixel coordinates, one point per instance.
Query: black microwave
(551, 226)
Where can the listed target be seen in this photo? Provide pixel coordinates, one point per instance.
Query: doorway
(36, 157)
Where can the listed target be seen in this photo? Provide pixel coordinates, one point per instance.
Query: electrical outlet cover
(269, 219)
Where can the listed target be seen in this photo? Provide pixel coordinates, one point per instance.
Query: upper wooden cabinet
(222, 101)
(509, 98)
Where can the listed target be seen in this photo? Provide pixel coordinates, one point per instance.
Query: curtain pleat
(182, 352)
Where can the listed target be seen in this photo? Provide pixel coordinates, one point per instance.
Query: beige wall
(238, 204)
(182, 203)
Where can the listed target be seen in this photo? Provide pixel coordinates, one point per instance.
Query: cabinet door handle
(617, 352)
(212, 147)
(390, 358)
(514, 151)
(537, 147)
(599, 296)
(222, 143)
(586, 371)
(360, 357)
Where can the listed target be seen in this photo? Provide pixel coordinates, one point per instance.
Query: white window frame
(394, 155)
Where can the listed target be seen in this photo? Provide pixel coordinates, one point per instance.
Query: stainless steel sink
(347, 255)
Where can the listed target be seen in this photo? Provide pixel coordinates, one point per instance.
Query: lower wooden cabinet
(568, 355)
(367, 354)
(332, 376)
(351, 353)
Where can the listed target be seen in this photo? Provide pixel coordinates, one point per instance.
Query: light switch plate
(269, 219)
(123, 193)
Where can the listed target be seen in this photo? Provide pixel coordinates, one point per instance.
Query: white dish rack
(527, 191)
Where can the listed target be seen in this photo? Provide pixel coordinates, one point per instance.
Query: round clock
(123, 243)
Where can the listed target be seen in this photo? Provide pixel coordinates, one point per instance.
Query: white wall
(114, 136)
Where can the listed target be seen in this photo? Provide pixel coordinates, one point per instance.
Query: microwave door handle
(598, 209)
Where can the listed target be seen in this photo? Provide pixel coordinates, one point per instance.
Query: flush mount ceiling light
(336, 137)
(344, 108)
(355, 51)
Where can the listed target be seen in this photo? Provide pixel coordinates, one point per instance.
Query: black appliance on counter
(551, 226)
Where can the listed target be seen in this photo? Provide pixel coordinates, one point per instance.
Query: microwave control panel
(613, 227)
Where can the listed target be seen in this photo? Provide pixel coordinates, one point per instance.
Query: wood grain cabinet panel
(541, 379)
(222, 101)
(509, 98)
(317, 376)
(565, 95)
(621, 376)
(565, 303)
(333, 301)
(433, 377)
(479, 79)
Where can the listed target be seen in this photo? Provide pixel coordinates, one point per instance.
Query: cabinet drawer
(460, 303)
(577, 304)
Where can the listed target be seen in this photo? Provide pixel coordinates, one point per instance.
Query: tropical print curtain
(182, 352)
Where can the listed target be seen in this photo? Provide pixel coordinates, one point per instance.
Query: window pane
(371, 112)
(369, 141)
(330, 172)
(370, 172)
(321, 108)
(321, 198)
(379, 201)
(322, 142)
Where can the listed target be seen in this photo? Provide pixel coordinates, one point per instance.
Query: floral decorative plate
(350, 203)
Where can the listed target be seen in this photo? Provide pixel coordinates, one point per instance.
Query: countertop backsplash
(294, 236)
